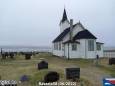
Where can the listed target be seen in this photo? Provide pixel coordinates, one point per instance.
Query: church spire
(64, 16)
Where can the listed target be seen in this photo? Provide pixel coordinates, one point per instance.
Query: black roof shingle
(63, 34)
(85, 34)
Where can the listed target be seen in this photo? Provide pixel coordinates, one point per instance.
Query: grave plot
(11, 54)
(111, 61)
(42, 65)
(52, 76)
(24, 78)
(28, 55)
(72, 73)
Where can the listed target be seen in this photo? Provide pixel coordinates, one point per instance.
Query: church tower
(64, 23)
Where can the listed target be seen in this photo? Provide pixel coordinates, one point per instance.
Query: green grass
(108, 69)
(14, 69)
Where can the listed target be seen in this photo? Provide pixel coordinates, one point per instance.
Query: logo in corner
(109, 82)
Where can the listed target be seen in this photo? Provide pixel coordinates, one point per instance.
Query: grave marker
(43, 65)
(24, 78)
(51, 77)
(111, 61)
(28, 56)
(72, 73)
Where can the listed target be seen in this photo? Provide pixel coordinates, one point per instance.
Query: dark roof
(70, 41)
(64, 16)
(99, 43)
(85, 34)
(63, 34)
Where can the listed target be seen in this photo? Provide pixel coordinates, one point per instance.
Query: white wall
(82, 48)
(64, 25)
(66, 50)
(66, 38)
(76, 53)
(72, 54)
(91, 54)
(84, 52)
(100, 52)
(58, 52)
(76, 29)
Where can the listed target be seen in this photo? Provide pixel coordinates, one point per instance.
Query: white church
(75, 41)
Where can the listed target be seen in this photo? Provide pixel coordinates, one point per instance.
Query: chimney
(71, 29)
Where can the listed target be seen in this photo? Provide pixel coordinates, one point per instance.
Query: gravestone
(28, 56)
(6, 54)
(72, 73)
(3, 56)
(43, 65)
(11, 54)
(24, 78)
(111, 61)
(52, 76)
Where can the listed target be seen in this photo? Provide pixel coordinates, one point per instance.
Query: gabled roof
(71, 41)
(85, 34)
(63, 34)
(64, 16)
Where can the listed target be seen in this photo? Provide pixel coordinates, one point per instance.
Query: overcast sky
(36, 22)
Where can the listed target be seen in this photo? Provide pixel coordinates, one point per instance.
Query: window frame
(91, 45)
(98, 47)
(74, 46)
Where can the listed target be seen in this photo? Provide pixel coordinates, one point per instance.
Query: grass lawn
(91, 75)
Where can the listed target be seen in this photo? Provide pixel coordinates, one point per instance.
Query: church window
(59, 45)
(74, 46)
(98, 47)
(90, 45)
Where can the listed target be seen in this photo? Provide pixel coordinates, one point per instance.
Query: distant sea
(26, 48)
